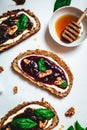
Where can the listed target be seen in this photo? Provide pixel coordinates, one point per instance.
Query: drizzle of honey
(62, 22)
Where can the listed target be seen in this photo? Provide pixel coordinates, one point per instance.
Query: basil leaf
(64, 84)
(78, 126)
(60, 3)
(41, 65)
(24, 123)
(70, 128)
(22, 23)
(44, 114)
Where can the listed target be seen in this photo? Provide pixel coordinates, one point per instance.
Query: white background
(76, 59)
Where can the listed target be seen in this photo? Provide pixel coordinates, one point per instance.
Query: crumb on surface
(61, 127)
(35, 39)
(70, 112)
(1, 69)
(15, 89)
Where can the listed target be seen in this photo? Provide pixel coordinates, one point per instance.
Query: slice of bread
(18, 112)
(56, 69)
(10, 24)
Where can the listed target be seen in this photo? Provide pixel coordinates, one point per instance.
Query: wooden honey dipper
(71, 32)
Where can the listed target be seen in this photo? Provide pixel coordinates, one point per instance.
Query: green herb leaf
(22, 23)
(70, 128)
(24, 123)
(43, 114)
(78, 126)
(64, 84)
(60, 3)
(41, 65)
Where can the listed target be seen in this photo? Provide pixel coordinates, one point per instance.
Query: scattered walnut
(58, 81)
(43, 124)
(15, 89)
(12, 30)
(26, 61)
(7, 128)
(44, 74)
(1, 69)
(70, 112)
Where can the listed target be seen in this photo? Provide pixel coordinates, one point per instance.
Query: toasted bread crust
(40, 84)
(25, 36)
(43, 103)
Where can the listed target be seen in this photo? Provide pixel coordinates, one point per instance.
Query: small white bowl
(63, 11)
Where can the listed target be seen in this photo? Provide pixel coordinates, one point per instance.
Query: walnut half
(70, 112)
(11, 30)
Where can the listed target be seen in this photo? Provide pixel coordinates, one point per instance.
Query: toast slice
(34, 115)
(16, 26)
(46, 70)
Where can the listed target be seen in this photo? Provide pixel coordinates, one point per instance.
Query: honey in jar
(62, 22)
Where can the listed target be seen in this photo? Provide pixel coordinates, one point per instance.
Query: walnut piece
(26, 61)
(12, 30)
(15, 89)
(70, 112)
(58, 81)
(1, 69)
(44, 74)
(7, 128)
(43, 124)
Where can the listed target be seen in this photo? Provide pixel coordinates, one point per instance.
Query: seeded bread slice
(3, 46)
(54, 120)
(57, 59)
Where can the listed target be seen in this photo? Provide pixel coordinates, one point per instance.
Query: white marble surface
(75, 57)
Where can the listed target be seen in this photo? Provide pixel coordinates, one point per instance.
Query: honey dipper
(71, 32)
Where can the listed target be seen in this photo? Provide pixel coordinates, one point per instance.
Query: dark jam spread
(52, 75)
(12, 27)
(30, 119)
(19, 2)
